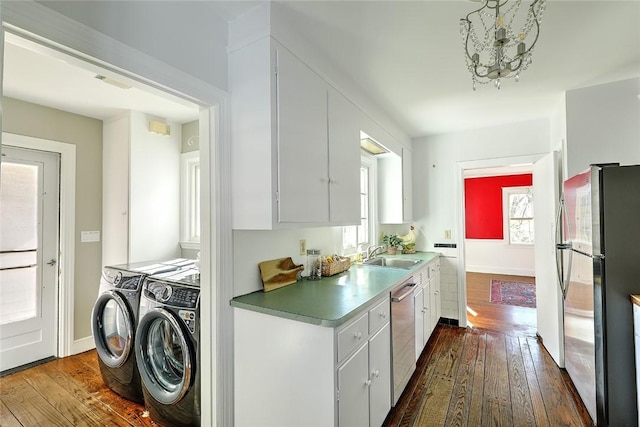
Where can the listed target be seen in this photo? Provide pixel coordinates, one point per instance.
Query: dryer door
(164, 355)
(113, 329)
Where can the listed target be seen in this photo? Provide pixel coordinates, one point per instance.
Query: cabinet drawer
(378, 316)
(353, 336)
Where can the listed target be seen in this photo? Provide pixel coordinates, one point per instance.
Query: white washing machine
(168, 347)
(114, 320)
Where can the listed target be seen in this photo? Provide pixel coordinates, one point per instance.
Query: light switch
(89, 236)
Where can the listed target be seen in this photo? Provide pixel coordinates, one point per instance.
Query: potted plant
(393, 242)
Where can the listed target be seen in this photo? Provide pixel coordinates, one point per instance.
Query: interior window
(519, 215)
(357, 237)
(190, 195)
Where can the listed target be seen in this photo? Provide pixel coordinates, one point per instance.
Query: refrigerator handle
(560, 246)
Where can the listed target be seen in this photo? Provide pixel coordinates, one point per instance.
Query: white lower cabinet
(364, 392)
(434, 282)
(420, 314)
(427, 303)
(292, 373)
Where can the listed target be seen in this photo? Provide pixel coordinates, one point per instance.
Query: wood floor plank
(84, 375)
(496, 405)
(435, 405)
(560, 407)
(477, 389)
(521, 406)
(458, 413)
(79, 392)
(60, 398)
(28, 406)
(537, 402)
(90, 358)
(418, 384)
(6, 417)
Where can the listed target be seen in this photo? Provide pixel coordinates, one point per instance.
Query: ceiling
(405, 55)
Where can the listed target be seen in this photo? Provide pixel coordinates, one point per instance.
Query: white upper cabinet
(395, 188)
(344, 160)
(295, 151)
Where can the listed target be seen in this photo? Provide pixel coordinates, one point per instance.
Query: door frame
(38, 23)
(66, 253)
(460, 168)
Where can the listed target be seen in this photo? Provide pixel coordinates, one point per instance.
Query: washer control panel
(174, 296)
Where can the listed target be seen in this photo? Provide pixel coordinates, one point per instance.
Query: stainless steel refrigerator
(599, 268)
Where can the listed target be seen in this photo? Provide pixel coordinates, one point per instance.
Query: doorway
(499, 249)
(29, 234)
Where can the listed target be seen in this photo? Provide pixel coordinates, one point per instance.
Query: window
(358, 237)
(190, 200)
(518, 215)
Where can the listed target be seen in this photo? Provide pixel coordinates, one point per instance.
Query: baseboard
(500, 270)
(82, 345)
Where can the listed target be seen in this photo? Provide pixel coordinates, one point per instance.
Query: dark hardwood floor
(474, 377)
(493, 373)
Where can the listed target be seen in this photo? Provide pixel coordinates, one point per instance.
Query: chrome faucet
(373, 250)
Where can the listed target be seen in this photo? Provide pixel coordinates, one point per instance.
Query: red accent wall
(483, 204)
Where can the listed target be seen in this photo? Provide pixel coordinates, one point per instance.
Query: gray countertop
(333, 300)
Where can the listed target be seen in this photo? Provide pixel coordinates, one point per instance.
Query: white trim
(501, 270)
(37, 22)
(83, 344)
(459, 177)
(506, 217)
(67, 229)
(45, 26)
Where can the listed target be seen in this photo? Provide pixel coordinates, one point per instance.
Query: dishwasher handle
(402, 293)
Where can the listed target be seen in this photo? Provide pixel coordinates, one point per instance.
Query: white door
(546, 193)
(29, 211)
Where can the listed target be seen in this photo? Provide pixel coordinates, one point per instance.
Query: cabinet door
(407, 186)
(380, 372)
(344, 161)
(435, 300)
(426, 302)
(353, 385)
(302, 147)
(418, 299)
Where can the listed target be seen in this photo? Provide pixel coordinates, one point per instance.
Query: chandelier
(498, 41)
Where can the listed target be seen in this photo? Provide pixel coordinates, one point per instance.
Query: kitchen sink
(405, 263)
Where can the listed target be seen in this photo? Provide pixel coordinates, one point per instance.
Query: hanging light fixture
(498, 41)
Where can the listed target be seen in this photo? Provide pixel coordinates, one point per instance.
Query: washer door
(164, 356)
(113, 329)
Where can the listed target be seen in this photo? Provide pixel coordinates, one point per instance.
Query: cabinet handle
(357, 335)
(367, 383)
(376, 373)
(424, 309)
(383, 315)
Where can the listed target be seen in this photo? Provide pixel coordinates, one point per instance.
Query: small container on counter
(314, 264)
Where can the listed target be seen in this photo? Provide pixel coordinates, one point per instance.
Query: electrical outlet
(447, 234)
(303, 247)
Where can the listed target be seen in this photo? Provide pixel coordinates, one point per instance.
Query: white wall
(436, 165)
(186, 35)
(253, 247)
(154, 185)
(603, 125)
(497, 256)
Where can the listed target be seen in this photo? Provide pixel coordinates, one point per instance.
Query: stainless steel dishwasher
(403, 332)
